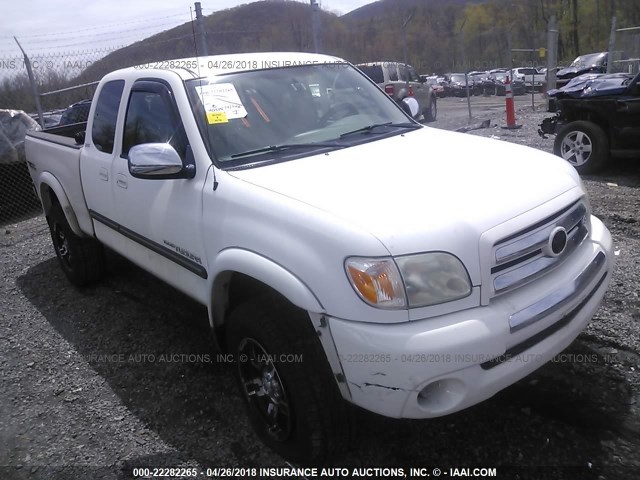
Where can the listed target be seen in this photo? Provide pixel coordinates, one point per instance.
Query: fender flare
(46, 179)
(263, 269)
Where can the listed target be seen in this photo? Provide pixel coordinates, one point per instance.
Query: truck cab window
(150, 119)
(104, 120)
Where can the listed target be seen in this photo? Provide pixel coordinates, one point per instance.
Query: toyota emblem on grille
(557, 242)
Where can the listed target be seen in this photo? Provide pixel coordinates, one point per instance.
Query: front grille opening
(513, 263)
(525, 256)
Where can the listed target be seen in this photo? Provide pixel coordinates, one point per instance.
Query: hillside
(381, 8)
(368, 33)
(442, 36)
(239, 29)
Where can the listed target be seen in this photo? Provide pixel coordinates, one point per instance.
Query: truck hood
(594, 85)
(571, 72)
(423, 190)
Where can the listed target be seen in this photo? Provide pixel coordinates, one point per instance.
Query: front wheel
(584, 145)
(285, 380)
(81, 258)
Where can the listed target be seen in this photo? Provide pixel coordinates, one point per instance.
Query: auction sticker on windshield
(221, 102)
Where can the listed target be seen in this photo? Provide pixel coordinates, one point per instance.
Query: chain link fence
(626, 53)
(54, 76)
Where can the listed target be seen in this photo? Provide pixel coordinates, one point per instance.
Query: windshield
(593, 59)
(253, 114)
(458, 77)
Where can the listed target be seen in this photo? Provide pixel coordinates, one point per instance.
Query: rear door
(422, 91)
(100, 150)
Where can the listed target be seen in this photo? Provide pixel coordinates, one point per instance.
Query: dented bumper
(549, 126)
(433, 367)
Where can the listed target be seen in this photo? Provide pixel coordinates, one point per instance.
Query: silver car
(393, 77)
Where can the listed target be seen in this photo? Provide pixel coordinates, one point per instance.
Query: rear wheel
(292, 398)
(431, 112)
(81, 258)
(584, 145)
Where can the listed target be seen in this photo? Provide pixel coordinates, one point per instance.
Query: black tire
(584, 145)
(295, 408)
(431, 112)
(81, 258)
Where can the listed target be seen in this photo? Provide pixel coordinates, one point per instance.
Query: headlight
(377, 281)
(413, 280)
(432, 278)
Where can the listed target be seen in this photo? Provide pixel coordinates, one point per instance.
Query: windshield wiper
(280, 148)
(368, 128)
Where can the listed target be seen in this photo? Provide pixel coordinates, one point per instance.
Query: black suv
(598, 117)
(76, 113)
(589, 63)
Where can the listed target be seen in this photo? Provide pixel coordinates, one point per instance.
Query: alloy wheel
(576, 148)
(264, 389)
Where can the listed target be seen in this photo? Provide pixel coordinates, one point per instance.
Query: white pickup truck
(344, 251)
(532, 78)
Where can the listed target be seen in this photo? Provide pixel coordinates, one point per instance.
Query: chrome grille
(526, 255)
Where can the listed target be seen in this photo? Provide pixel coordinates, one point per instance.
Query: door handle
(103, 174)
(121, 181)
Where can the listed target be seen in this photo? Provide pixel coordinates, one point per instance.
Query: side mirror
(410, 105)
(156, 160)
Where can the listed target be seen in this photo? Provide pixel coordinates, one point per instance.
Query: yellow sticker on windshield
(221, 98)
(217, 117)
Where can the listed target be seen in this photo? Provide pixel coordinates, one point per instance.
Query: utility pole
(32, 81)
(612, 45)
(466, 71)
(404, 46)
(315, 24)
(202, 40)
(552, 52)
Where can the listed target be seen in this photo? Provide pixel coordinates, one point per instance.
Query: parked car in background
(589, 63)
(444, 83)
(533, 79)
(598, 117)
(497, 84)
(76, 113)
(400, 81)
(50, 119)
(458, 84)
(479, 82)
(436, 85)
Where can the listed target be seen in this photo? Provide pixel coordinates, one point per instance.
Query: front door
(160, 218)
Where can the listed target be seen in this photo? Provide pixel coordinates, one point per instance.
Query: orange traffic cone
(511, 111)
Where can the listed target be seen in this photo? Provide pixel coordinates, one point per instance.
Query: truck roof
(213, 65)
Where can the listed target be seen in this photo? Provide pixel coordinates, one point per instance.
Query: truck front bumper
(436, 366)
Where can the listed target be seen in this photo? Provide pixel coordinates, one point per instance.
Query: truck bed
(55, 152)
(67, 135)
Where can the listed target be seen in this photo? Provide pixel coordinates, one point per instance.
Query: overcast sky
(46, 26)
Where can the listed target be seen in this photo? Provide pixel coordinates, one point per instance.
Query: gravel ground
(96, 381)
